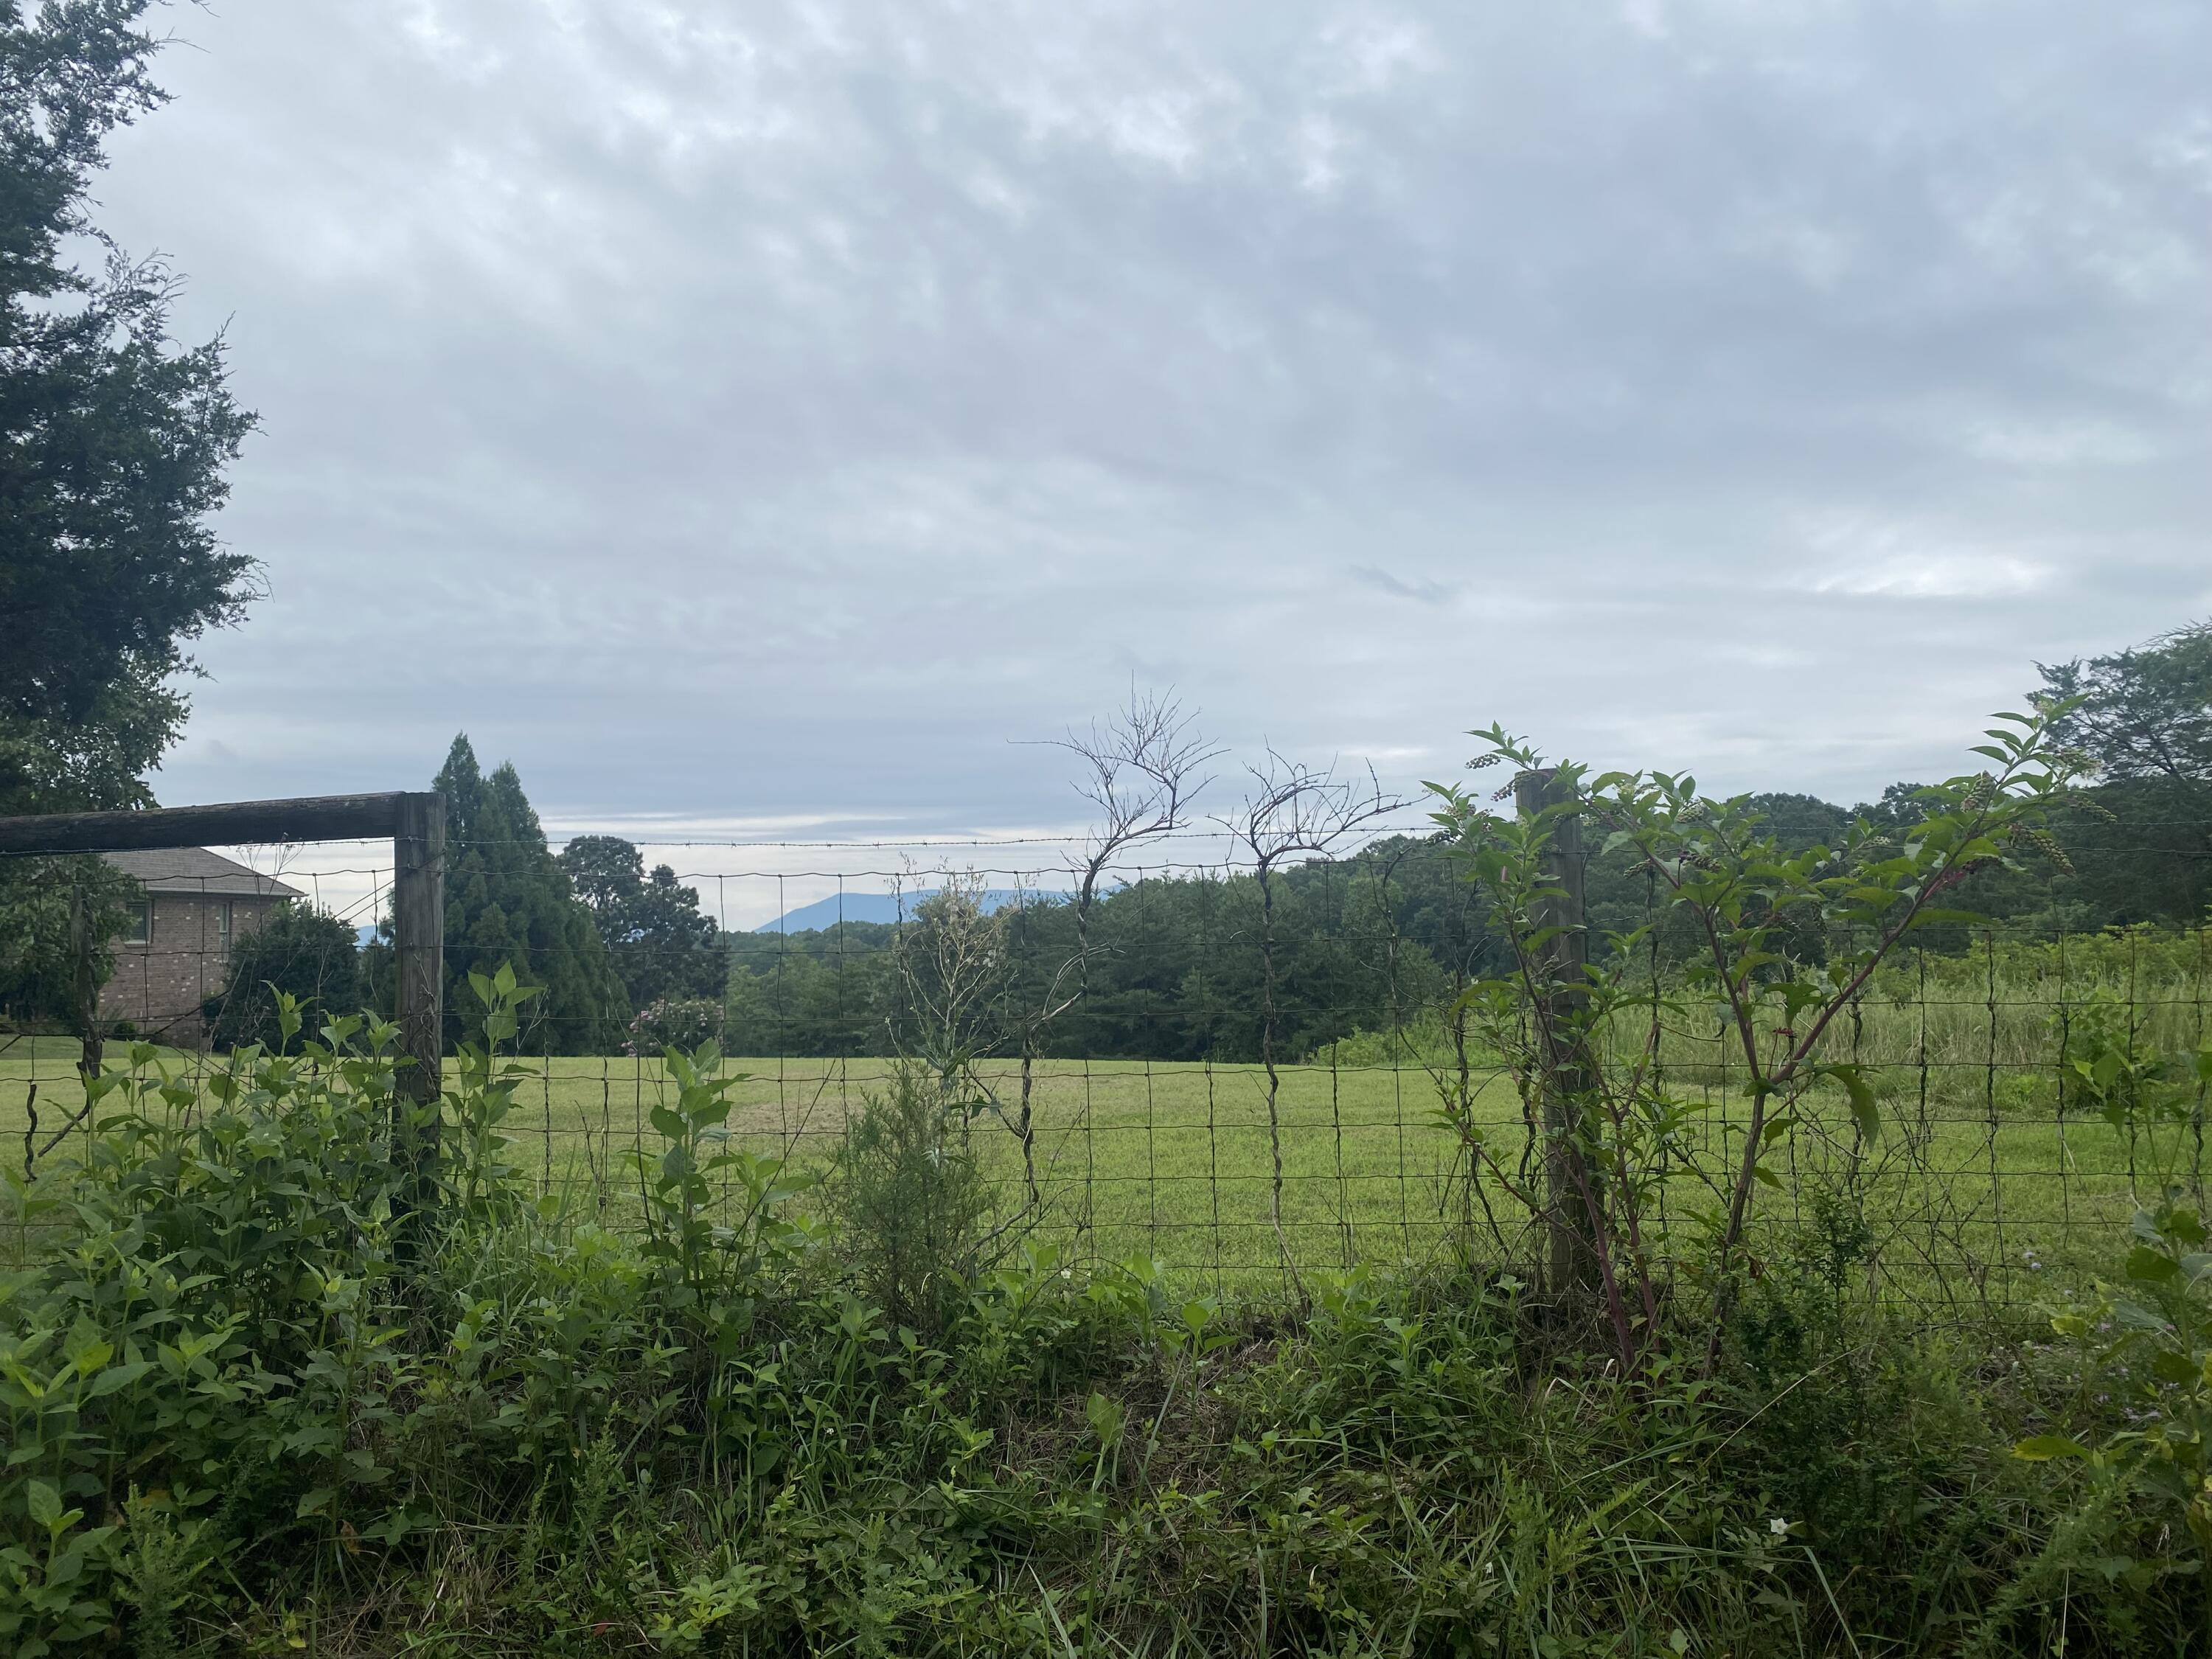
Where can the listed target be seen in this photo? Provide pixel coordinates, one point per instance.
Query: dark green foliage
(1868, 1443)
(45, 905)
(2141, 851)
(508, 904)
(308, 954)
(214, 1341)
(1385, 936)
(112, 449)
(659, 944)
(828, 992)
(2145, 1339)
(2145, 714)
(1174, 974)
(112, 444)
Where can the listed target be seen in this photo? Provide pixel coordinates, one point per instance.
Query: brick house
(175, 953)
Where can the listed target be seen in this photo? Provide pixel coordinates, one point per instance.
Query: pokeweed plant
(716, 1217)
(1783, 942)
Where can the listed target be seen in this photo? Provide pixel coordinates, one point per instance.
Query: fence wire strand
(1146, 1113)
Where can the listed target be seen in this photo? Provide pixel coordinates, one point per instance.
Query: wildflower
(1778, 1527)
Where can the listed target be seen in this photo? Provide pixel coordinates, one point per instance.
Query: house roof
(194, 870)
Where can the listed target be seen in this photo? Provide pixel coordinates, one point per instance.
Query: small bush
(908, 1199)
(685, 1023)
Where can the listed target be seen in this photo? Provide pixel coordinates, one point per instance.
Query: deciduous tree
(659, 943)
(113, 445)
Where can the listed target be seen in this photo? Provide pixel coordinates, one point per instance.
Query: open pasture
(1979, 1186)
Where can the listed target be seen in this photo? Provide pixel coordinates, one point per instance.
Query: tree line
(1191, 966)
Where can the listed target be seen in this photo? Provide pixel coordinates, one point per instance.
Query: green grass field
(1972, 1183)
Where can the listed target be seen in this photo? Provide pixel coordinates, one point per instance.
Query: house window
(138, 926)
(222, 923)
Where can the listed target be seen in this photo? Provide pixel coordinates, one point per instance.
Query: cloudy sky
(750, 418)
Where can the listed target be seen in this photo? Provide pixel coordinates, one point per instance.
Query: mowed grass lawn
(1174, 1161)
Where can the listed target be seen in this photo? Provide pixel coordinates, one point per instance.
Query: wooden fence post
(418, 940)
(1571, 1236)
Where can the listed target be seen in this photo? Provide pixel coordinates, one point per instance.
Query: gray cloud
(1383, 581)
(772, 410)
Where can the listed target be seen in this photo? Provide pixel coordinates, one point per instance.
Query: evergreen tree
(508, 900)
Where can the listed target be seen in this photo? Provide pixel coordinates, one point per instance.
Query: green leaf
(118, 1377)
(2151, 1265)
(315, 1502)
(2135, 1317)
(1865, 1112)
(45, 1504)
(1105, 1417)
(2044, 1448)
(2171, 1365)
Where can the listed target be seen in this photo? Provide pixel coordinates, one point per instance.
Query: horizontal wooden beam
(320, 817)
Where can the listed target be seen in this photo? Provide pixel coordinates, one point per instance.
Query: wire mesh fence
(1245, 1079)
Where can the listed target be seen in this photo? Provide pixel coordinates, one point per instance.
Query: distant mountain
(886, 907)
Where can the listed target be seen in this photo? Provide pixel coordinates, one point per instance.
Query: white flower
(1778, 1527)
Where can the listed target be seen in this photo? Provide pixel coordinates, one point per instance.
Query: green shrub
(683, 1023)
(908, 1199)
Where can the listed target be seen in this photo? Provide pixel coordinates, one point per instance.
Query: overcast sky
(751, 416)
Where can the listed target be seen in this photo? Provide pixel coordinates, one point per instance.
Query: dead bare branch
(1293, 808)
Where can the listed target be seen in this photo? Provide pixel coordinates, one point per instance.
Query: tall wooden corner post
(418, 931)
(1570, 1249)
